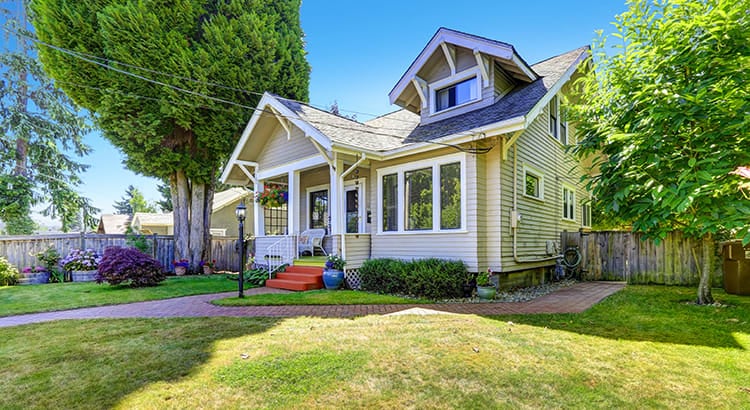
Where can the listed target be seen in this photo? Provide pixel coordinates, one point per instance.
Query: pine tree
(39, 128)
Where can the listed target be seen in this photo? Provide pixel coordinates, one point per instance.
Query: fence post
(153, 246)
(83, 240)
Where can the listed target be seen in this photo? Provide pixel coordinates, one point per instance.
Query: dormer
(457, 73)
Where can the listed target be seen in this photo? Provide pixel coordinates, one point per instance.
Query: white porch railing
(281, 252)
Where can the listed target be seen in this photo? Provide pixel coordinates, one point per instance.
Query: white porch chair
(310, 240)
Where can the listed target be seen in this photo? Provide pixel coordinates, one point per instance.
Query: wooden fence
(613, 255)
(20, 250)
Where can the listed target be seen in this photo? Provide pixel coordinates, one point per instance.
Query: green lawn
(318, 297)
(58, 296)
(641, 348)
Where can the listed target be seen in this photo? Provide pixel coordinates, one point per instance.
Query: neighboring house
(113, 224)
(223, 219)
(473, 167)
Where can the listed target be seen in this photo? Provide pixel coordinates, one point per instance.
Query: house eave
(490, 130)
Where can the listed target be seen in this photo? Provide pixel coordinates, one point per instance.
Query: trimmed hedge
(431, 278)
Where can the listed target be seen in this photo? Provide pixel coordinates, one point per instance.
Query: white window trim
(308, 191)
(558, 122)
(564, 209)
(528, 169)
(454, 79)
(362, 213)
(435, 164)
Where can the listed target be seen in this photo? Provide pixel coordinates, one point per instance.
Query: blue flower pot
(332, 279)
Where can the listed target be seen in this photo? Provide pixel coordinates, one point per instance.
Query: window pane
(418, 192)
(352, 211)
(390, 202)
(319, 209)
(466, 91)
(568, 203)
(450, 196)
(553, 116)
(532, 185)
(456, 94)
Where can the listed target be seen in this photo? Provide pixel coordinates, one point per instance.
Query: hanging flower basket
(272, 197)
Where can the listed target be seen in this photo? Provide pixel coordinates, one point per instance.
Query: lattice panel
(353, 280)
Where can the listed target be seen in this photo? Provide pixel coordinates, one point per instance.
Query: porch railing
(281, 252)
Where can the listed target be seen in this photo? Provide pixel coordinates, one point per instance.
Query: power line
(83, 57)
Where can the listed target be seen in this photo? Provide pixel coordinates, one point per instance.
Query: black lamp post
(240, 212)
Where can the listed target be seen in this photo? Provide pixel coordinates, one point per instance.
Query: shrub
(430, 278)
(8, 273)
(120, 265)
(383, 275)
(435, 278)
(78, 259)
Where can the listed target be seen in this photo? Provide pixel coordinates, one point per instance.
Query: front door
(352, 209)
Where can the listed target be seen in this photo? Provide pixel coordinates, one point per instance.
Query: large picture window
(450, 196)
(418, 199)
(424, 196)
(390, 202)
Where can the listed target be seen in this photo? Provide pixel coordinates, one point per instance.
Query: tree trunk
(198, 238)
(706, 266)
(181, 214)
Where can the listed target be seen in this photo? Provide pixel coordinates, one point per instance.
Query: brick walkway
(574, 299)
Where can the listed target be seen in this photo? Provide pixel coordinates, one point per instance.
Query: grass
(318, 297)
(641, 348)
(58, 296)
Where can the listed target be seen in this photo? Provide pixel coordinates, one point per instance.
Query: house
(223, 219)
(113, 224)
(472, 167)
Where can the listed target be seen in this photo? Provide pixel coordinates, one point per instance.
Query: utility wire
(81, 56)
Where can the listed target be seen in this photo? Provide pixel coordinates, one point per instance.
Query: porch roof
(381, 134)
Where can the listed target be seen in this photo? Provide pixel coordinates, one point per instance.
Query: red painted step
(298, 278)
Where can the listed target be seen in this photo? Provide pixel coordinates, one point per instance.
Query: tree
(39, 128)
(172, 84)
(132, 202)
(165, 204)
(667, 109)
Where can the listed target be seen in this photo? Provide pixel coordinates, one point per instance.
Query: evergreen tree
(133, 201)
(165, 204)
(168, 128)
(39, 128)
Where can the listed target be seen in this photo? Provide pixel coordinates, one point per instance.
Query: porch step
(298, 278)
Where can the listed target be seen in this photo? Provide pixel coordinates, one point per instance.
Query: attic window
(456, 94)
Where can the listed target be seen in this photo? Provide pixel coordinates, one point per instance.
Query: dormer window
(456, 94)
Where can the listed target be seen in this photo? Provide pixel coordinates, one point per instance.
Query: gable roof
(113, 223)
(228, 197)
(153, 219)
(499, 50)
(518, 103)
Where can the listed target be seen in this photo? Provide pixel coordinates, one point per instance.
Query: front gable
(458, 72)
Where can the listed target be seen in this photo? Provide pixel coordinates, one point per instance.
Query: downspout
(514, 215)
(342, 215)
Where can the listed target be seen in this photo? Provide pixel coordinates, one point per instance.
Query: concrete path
(573, 299)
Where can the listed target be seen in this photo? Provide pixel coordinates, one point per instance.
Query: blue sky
(359, 49)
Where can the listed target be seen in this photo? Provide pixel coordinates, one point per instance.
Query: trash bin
(736, 268)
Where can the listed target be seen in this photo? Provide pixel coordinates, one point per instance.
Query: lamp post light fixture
(240, 212)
